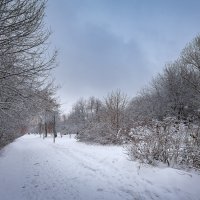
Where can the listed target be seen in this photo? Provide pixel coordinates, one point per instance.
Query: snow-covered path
(35, 169)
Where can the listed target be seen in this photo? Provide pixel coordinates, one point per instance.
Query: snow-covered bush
(170, 141)
(101, 133)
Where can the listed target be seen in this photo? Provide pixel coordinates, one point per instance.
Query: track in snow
(35, 169)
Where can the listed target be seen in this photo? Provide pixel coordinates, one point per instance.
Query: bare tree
(115, 104)
(190, 61)
(24, 62)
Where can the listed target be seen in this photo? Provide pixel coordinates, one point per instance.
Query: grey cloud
(105, 45)
(97, 60)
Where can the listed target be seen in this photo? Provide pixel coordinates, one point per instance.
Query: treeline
(98, 121)
(176, 91)
(160, 124)
(25, 90)
(169, 110)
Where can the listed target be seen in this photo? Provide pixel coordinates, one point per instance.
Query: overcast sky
(116, 44)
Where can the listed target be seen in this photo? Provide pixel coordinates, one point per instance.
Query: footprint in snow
(36, 163)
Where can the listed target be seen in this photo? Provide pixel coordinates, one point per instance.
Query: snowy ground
(35, 169)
